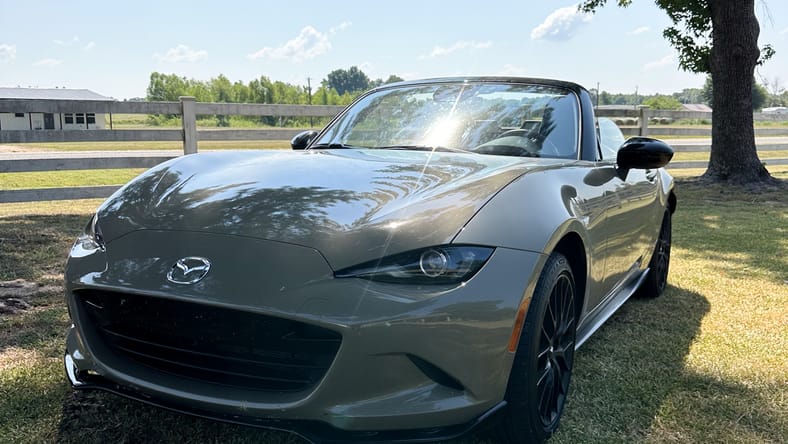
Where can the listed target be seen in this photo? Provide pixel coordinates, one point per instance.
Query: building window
(91, 118)
(69, 118)
(19, 114)
(80, 119)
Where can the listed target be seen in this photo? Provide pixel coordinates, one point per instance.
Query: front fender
(533, 213)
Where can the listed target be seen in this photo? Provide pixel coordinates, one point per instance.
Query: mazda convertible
(429, 261)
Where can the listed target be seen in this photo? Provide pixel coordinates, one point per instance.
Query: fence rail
(635, 121)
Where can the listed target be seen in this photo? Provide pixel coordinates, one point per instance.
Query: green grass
(71, 178)
(764, 154)
(706, 362)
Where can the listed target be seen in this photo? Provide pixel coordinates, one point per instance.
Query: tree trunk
(734, 56)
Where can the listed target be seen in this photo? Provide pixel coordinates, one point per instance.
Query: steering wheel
(510, 143)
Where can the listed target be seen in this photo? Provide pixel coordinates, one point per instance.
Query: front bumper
(310, 430)
(372, 390)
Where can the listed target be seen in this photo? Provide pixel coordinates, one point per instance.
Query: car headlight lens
(91, 238)
(434, 265)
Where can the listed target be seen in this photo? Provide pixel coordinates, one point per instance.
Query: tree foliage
(352, 80)
(169, 87)
(691, 33)
(760, 96)
(662, 102)
(720, 37)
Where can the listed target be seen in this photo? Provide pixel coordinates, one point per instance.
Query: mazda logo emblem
(189, 270)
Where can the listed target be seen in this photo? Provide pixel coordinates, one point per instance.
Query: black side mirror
(302, 140)
(644, 153)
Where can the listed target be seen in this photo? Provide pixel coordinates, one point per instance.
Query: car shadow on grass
(624, 373)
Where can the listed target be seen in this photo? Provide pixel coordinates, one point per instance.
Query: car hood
(351, 205)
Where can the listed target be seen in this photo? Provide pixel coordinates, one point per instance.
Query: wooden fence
(635, 121)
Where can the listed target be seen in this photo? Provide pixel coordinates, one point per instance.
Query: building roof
(695, 107)
(51, 94)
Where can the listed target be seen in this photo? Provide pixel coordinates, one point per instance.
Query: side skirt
(603, 312)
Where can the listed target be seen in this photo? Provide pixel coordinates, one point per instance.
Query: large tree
(720, 37)
(347, 80)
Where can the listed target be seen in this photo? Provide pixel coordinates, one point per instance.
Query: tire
(659, 265)
(542, 368)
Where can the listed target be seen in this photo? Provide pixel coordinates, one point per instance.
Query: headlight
(91, 238)
(434, 265)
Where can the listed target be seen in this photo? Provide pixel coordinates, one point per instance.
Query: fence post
(189, 119)
(643, 120)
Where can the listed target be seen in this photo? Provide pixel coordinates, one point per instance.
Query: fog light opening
(436, 374)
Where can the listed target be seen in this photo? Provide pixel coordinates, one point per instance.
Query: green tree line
(340, 87)
(768, 94)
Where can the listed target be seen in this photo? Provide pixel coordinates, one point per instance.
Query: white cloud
(74, 40)
(309, 44)
(89, 46)
(48, 63)
(784, 31)
(440, 51)
(341, 27)
(7, 53)
(561, 24)
(510, 70)
(641, 30)
(668, 60)
(181, 54)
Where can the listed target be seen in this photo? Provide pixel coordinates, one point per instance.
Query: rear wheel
(657, 279)
(539, 381)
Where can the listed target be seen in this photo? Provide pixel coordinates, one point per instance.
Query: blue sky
(112, 47)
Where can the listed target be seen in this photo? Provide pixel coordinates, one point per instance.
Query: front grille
(212, 344)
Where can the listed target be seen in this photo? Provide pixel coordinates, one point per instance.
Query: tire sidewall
(522, 422)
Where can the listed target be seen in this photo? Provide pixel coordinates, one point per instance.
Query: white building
(51, 121)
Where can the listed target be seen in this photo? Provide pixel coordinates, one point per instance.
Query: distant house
(775, 110)
(695, 107)
(51, 121)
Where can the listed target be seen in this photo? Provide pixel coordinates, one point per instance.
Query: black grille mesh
(212, 344)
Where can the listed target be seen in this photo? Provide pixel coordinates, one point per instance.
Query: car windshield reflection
(483, 117)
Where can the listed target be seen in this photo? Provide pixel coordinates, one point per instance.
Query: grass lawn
(682, 156)
(706, 362)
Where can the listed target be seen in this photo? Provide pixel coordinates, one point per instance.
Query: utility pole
(309, 97)
(597, 95)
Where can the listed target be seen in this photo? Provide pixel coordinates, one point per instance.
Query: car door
(631, 222)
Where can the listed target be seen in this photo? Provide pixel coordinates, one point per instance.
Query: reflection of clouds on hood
(561, 24)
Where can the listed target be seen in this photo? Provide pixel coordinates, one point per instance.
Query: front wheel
(542, 368)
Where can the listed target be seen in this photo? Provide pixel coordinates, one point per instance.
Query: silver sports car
(430, 260)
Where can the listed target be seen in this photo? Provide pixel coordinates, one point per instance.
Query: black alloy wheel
(542, 369)
(659, 266)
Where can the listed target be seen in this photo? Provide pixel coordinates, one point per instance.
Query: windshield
(487, 118)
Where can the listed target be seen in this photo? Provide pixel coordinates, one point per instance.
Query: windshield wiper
(331, 146)
(422, 148)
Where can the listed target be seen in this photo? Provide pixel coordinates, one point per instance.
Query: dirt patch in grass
(15, 295)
